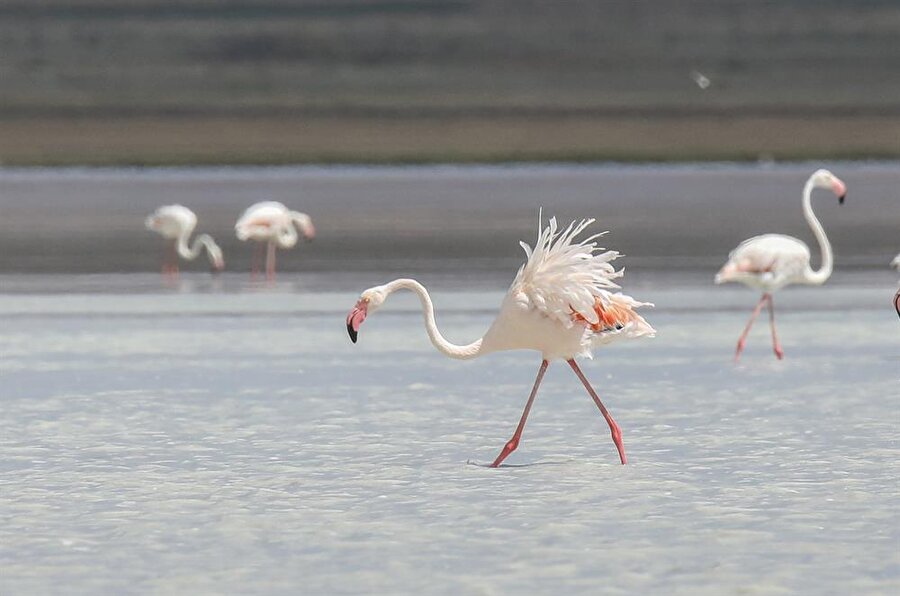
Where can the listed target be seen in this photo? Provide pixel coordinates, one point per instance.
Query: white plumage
(767, 262)
(271, 221)
(559, 305)
(565, 282)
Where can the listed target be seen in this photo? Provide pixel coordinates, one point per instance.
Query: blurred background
(375, 82)
(145, 82)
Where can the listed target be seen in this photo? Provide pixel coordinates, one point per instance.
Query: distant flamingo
(896, 265)
(772, 261)
(273, 223)
(175, 223)
(558, 305)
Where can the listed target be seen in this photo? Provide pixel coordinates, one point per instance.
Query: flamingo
(896, 265)
(175, 223)
(273, 223)
(558, 304)
(772, 261)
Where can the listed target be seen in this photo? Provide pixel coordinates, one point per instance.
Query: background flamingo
(558, 304)
(772, 261)
(273, 223)
(896, 265)
(175, 223)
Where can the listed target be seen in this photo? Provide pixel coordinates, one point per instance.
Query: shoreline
(163, 140)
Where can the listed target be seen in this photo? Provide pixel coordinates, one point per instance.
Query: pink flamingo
(896, 265)
(558, 304)
(273, 223)
(772, 261)
(175, 223)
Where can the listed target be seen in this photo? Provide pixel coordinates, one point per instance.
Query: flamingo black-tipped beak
(840, 189)
(356, 318)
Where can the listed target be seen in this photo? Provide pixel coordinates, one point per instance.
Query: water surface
(211, 439)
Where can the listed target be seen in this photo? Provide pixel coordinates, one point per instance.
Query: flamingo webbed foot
(616, 434)
(510, 446)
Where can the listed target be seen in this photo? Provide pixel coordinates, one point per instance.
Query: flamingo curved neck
(202, 241)
(452, 350)
(824, 272)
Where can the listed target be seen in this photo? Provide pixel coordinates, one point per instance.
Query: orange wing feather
(611, 316)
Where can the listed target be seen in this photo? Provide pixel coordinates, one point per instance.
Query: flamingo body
(768, 262)
(176, 223)
(559, 304)
(273, 223)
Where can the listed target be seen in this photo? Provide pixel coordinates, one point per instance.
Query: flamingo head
(152, 222)
(369, 301)
(165, 226)
(825, 179)
(304, 222)
(216, 260)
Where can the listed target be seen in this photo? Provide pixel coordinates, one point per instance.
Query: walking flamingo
(175, 223)
(772, 261)
(273, 223)
(896, 265)
(558, 304)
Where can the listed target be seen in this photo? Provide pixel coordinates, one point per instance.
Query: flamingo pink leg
(742, 340)
(613, 427)
(514, 441)
(255, 258)
(165, 258)
(270, 262)
(776, 345)
(170, 260)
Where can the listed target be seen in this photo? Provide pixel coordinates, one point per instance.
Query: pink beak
(840, 189)
(356, 318)
(310, 232)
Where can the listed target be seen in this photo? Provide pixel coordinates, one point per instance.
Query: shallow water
(218, 436)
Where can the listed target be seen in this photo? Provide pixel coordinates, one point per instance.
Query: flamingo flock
(563, 302)
(267, 222)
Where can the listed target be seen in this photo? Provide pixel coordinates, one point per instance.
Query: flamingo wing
(770, 256)
(568, 281)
